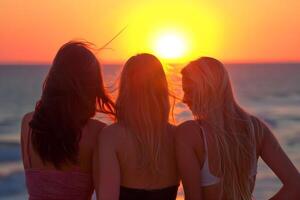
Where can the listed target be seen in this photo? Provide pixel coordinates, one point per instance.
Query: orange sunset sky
(31, 31)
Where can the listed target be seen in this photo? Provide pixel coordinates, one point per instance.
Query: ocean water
(270, 91)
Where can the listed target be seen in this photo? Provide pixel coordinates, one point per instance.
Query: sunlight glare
(170, 46)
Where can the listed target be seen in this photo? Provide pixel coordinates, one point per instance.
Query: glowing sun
(170, 46)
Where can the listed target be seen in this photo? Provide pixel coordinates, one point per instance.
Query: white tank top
(207, 178)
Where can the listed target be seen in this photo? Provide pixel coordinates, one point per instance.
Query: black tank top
(168, 193)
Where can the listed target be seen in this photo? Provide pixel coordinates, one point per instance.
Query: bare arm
(23, 145)
(24, 138)
(187, 162)
(107, 169)
(277, 160)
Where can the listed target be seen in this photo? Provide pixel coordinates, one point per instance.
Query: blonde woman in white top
(217, 152)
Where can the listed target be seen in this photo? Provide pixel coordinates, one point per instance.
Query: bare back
(135, 177)
(118, 164)
(87, 147)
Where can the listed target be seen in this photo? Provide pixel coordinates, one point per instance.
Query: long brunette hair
(72, 92)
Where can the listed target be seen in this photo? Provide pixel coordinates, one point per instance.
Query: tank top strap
(207, 178)
(28, 147)
(203, 136)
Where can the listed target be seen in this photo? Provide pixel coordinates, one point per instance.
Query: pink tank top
(59, 185)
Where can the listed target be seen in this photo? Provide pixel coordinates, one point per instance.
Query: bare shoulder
(259, 122)
(261, 127)
(27, 117)
(111, 134)
(262, 131)
(25, 122)
(114, 130)
(95, 124)
(24, 132)
(92, 129)
(189, 132)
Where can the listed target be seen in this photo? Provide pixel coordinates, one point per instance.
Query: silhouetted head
(206, 86)
(208, 93)
(143, 104)
(72, 92)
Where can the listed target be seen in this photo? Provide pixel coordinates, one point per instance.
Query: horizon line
(170, 63)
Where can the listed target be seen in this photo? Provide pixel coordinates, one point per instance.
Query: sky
(31, 31)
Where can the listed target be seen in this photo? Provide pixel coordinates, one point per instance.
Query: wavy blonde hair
(143, 106)
(233, 129)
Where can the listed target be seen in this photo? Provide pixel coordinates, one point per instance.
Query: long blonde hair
(143, 106)
(233, 129)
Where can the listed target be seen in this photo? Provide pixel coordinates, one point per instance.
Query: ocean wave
(9, 124)
(13, 138)
(12, 180)
(9, 168)
(9, 152)
(9, 121)
(12, 184)
(294, 141)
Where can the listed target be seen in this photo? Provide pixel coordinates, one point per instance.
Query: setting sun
(170, 46)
